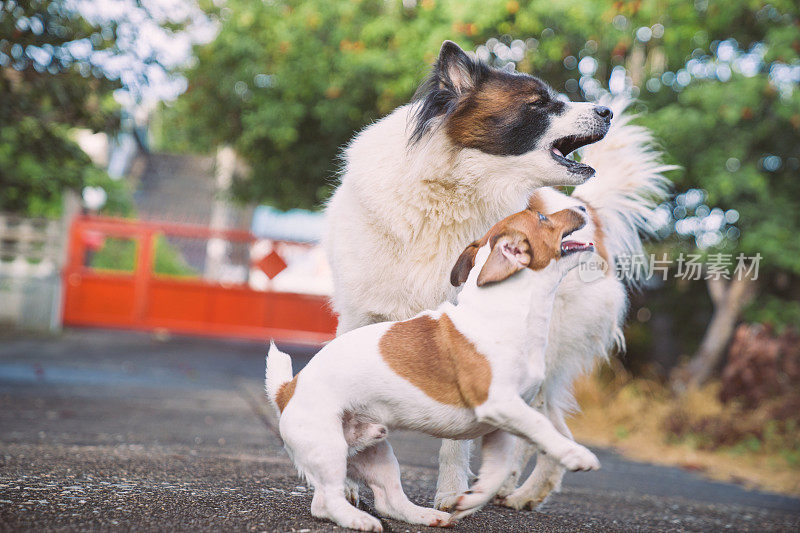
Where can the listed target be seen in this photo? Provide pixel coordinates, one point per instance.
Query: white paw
(362, 522)
(472, 499)
(577, 457)
(432, 518)
(524, 498)
(469, 502)
(446, 501)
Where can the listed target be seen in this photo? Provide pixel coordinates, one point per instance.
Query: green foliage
(119, 254)
(116, 254)
(60, 71)
(46, 91)
(168, 260)
(720, 134)
(776, 310)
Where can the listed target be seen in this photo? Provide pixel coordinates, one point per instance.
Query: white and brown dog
(437, 173)
(460, 372)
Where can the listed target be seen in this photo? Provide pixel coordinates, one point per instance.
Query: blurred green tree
(739, 141)
(289, 82)
(47, 88)
(62, 62)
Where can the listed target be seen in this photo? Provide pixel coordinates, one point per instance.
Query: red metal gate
(186, 279)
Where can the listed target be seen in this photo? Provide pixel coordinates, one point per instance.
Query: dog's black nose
(604, 112)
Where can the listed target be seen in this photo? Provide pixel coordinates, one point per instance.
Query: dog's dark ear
(511, 252)
(455, 70)
(453, 76)
(464, 264)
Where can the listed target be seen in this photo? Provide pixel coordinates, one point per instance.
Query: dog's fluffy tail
(279, 371)
(629, 183)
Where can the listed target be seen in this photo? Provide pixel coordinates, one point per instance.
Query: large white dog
(434, 175)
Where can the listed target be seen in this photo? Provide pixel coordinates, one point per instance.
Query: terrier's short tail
(279, 372)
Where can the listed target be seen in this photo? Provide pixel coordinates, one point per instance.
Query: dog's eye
(542, 218)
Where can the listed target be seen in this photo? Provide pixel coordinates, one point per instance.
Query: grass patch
(725, 441)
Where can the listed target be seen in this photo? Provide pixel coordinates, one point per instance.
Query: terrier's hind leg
(377, 467)
(359, 433)
(322, 456)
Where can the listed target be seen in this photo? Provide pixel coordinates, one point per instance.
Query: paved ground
(110, 430)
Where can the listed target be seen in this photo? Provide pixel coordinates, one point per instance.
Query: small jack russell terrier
(459, 372)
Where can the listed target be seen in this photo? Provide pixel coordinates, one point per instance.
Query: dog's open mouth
(569, 246)
(566, 145)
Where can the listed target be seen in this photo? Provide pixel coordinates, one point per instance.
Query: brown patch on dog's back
(285, 393)
(437, 359)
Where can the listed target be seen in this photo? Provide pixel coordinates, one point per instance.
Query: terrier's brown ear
(511, 252)
(464, 264)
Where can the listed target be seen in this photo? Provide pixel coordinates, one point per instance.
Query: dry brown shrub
(762, 368)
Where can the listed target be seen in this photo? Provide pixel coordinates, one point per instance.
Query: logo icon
(592, 267)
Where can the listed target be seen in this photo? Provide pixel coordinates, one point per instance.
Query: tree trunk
(729, 298)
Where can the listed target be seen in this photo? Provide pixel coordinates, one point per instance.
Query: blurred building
(307, 269)
(195, 189)
(271, 250)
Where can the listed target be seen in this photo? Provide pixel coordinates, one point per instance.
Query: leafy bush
(120, 255)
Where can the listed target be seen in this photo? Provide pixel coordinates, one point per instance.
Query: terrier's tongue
(557, 151)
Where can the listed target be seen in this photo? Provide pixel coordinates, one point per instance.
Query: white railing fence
(30, 287)
(32, 254)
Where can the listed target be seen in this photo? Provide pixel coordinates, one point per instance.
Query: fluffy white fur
(507, 322)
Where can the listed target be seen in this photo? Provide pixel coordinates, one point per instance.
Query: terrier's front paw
(470, 500)
(577, 457)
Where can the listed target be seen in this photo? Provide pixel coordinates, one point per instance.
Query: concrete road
(117, 431)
